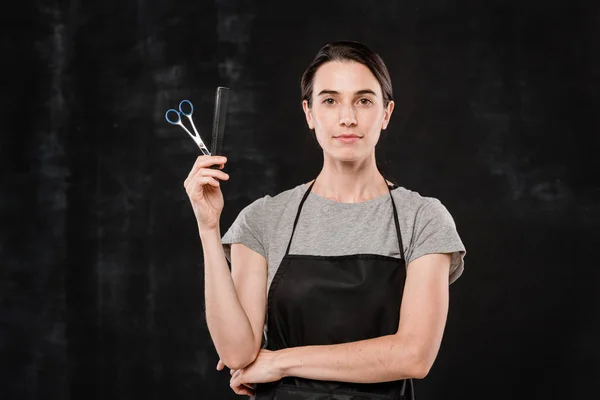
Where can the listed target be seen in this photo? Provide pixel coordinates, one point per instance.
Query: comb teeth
(219, 119)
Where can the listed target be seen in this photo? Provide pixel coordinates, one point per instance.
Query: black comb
(219, 119)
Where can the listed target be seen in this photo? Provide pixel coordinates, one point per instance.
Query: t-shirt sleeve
(247, 229)
(435, 232)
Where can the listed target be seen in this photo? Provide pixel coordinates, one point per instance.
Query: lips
(347, 138)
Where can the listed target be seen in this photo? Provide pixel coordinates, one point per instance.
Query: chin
(347, 155)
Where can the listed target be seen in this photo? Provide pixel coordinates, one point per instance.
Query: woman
(338, 288)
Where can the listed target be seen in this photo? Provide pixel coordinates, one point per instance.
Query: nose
(347, 115)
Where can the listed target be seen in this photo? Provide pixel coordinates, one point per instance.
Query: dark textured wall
(101, 272)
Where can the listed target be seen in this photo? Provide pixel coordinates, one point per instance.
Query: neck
(350, 182)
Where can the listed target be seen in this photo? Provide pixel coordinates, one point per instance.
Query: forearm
(380, 359)
(227, 321)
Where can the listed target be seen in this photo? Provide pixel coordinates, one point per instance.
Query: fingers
(215, 173)
(207, 172)
(206, 162)
(206, 176)
(243, 390)
(203, 180)
(240, 388)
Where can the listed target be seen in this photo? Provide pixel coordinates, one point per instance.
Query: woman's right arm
(235, 301)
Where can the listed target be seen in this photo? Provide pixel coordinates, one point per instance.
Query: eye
(329, 101)
(365, 102)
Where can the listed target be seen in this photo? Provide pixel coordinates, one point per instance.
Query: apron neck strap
(397, 223)
(287, 251)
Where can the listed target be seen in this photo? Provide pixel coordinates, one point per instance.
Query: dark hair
(348, 51)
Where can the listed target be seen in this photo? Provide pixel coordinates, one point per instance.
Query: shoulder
(421, 209)
(287, 196)
(270, 205)
(413, 201)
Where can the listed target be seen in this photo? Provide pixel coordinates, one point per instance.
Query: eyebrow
(363, 91)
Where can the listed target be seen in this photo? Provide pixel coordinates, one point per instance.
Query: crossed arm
(410, 353)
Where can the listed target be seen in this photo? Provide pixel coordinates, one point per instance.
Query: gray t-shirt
(330, 228)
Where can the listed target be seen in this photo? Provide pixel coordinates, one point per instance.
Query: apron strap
(287, 251)
(397, 223)
(397, 226)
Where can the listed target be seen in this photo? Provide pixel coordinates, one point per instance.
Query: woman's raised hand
(203, 189)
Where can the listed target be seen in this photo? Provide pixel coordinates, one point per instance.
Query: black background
(101, 268)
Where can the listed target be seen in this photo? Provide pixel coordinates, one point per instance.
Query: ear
(308, 115)
(387, 114)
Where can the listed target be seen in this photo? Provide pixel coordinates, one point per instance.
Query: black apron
(323, 300)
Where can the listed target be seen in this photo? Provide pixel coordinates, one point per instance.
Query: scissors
(177, 121)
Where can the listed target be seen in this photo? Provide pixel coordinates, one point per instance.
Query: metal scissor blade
(197, 137)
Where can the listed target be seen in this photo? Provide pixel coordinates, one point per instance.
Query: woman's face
(347, 111)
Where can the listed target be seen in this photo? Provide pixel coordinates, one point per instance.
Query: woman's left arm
(409, 353)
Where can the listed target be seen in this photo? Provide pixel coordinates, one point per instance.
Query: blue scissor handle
(174, 122)
(191, 108)
(178, 113)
